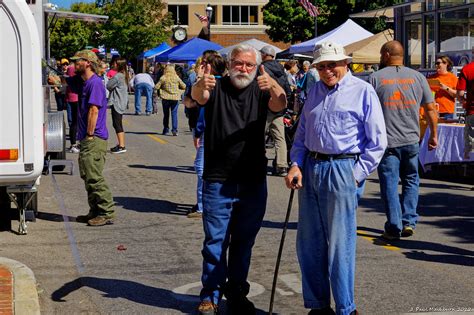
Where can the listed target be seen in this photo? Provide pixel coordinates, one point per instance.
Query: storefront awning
(387, 11)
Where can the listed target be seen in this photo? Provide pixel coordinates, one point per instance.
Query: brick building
(232, 21)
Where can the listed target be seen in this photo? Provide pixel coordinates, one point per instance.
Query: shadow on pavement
(129, 290)
(179, 168)
(152, 205)
(53, 217)
(416, 248)
(137, 293)
(279, 225)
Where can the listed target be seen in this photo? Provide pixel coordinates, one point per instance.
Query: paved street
(149, 261)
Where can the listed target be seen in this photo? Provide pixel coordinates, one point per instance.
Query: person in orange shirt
(445, 90)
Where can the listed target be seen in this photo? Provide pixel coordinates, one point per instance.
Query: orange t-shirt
(445, 101)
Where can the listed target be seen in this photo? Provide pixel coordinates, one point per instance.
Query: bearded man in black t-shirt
(235, 190)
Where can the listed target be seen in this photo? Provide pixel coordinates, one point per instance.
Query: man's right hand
(294, 172)
(208, 81)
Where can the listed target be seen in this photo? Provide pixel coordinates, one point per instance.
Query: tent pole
(316, 26)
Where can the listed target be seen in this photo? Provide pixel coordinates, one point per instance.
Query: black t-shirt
(234, 146)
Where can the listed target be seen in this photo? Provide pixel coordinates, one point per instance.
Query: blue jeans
(232, 217)
(147, 90)
(401, 162)
(170, 105)
(199, 168)
(326, 237)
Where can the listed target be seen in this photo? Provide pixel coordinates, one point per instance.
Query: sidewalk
(18, 294)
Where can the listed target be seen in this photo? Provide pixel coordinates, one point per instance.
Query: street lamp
(209, 17)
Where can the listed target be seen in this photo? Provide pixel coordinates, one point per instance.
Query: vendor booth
(345, 34)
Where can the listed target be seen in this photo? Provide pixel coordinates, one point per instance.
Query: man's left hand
(265, 82)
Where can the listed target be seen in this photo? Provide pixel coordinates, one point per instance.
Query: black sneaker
(281, 171)
(239, 306)
(118, 149)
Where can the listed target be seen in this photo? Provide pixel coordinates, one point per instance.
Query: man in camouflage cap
(93, 134)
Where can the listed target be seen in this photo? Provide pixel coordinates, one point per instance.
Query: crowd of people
(347, 128)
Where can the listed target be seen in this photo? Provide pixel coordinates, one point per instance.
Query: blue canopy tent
(187, 51)
(154, 51)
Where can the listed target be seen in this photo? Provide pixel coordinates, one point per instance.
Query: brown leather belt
(328, 157)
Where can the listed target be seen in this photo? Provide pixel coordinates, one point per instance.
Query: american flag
(312, 10)
(201, 18)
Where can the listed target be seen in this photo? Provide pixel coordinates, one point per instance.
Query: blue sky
(67, 3)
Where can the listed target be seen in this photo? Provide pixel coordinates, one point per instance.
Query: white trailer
(29, 129)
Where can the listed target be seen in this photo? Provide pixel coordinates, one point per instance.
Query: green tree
(68, 36)
(135, 25)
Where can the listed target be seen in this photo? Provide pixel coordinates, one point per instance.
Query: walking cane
(280, 250)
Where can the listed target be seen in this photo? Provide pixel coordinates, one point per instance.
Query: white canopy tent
(257, 44)
(345, 34)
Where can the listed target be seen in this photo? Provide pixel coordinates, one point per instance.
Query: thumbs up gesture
(265, 82)
(207, 81)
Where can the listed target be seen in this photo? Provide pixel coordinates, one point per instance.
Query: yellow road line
(157, 139)
(377, 241)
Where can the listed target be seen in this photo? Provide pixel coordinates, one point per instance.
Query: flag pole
(315, 26)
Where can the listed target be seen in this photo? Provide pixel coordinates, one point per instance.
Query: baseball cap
(329, 51)
(268, 50)
(64, 61)
(86, 54)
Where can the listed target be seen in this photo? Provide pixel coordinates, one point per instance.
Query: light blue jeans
(326, 237)
(400, 163)
(199, 168)
(147, 90)
(232, 217)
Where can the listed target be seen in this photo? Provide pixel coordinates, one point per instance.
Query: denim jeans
(147, 90)
(401, 162)
(232, 217)
(170, 105)
(326, 237)
(199, 168)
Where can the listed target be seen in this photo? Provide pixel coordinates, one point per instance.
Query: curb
(25, 294)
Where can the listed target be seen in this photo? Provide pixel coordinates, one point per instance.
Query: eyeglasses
(240, 64)
(439, 62)
(322, 67)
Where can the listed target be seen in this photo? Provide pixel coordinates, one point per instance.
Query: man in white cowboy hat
(339, 142)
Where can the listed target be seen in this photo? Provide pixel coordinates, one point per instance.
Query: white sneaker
(74, 149)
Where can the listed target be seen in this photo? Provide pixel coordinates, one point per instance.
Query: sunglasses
(321, 67)
(439, 62)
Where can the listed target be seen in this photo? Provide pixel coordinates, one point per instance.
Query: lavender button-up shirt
(347, 119)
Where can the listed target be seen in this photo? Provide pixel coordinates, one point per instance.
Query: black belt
(328, 157)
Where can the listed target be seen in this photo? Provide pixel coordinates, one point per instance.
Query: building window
(180, 14)
(240, 15)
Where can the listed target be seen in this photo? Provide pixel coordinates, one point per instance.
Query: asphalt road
(149, 261)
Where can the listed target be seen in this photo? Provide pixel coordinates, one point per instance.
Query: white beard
(241, 79)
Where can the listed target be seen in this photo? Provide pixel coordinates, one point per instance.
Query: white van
(21, 103)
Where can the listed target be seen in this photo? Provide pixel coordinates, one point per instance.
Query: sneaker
(85, 218)
(194, 215)
(322, 311)
(175, 133)
(407, 231)
(148, 113)
(390, 236)
(137, 113)
(118, 149)
(165, 132)
(207, 308)
(100, 221)
(74, 149)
